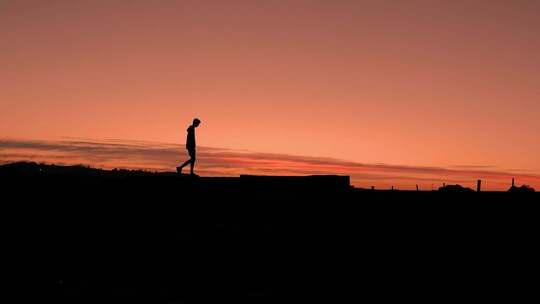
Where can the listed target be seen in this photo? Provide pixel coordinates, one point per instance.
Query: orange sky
(408, 83)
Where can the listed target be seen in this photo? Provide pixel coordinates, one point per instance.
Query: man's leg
(193, 158)
(179, 169)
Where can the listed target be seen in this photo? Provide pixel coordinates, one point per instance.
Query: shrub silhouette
(521, 189)
(455, 189)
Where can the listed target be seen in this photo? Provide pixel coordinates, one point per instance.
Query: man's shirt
(190, 142)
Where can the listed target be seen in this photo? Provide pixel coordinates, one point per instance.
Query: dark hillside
(80, 235)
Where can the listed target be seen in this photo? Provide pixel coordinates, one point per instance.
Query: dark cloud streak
(218, 161)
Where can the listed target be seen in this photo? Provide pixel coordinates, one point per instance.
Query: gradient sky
(441, 84)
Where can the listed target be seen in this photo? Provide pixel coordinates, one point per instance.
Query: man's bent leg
(189, 161)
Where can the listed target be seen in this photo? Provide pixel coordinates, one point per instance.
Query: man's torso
(190, 142)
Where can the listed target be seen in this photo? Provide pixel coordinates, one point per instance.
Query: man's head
(196, 122)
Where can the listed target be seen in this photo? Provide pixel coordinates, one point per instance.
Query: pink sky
(442, 84)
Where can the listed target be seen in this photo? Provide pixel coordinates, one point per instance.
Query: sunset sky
(389, 92)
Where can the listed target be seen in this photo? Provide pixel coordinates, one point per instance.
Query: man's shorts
(191, 153)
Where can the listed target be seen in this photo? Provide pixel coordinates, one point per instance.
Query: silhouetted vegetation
(455, 189)
(521, 189)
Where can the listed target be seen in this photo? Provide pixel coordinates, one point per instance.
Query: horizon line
(215, 161)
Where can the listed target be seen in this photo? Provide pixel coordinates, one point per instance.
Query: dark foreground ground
(75, 235)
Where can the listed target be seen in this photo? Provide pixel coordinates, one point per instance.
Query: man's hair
(196, 121)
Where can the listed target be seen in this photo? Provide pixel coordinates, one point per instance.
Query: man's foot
(179, 170)
(193, 175)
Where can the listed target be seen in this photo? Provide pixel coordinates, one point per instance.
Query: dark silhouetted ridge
(75, 234)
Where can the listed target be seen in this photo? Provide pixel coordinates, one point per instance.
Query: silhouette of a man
(190, 146)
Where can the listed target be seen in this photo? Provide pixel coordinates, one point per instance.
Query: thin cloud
(115, 153)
